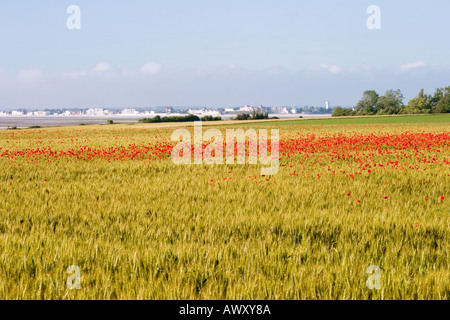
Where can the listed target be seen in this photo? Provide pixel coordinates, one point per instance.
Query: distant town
(149, 112)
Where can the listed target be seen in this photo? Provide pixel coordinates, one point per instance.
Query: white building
(40, 113)
(129, 112)
(195, 112)
(214, 113)
(16, 113)
(95, 112)
(246, 108)
(204, 112)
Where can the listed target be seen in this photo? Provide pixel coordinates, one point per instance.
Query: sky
(227, 53)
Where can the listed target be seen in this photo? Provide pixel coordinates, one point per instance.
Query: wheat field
(109, 200)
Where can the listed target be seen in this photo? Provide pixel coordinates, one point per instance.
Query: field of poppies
(110, 201)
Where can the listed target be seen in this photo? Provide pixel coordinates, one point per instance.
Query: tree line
(392, 103)
(188, 118)
(255, 115)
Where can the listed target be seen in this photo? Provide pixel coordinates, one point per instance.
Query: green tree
(419, 105)
(438, 95)
(366, 106)
(211, 118)
(243, 116)
(390, 103)
(342, 112)
(256, 115)
(441, 101)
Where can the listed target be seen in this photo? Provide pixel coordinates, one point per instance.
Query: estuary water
(52, 121)
(55, 121)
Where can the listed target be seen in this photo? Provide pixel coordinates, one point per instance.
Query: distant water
(48, 121)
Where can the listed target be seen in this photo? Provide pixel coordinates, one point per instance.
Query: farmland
(350, 193)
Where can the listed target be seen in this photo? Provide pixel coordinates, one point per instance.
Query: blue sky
(218, 53)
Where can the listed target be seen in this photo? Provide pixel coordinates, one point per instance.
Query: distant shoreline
(23, 122)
